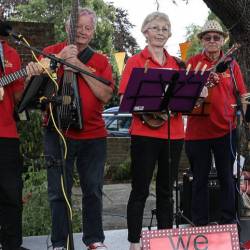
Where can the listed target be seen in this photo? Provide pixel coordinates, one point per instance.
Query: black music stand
(39, 86)
(164, 90)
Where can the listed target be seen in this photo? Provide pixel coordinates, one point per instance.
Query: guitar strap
(85, 55)
(1, 59)
(179, 62)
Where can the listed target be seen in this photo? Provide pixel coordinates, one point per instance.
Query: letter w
(179, 242)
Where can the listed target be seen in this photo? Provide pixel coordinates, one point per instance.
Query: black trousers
(199, 153)
(10, 194)
(146, 152)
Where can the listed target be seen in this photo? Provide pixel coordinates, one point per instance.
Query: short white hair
(85, 11)
(153, 16)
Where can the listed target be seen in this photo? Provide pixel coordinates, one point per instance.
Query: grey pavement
(114, 220)
(115, 240)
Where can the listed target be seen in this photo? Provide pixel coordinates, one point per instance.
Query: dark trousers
(199, 153)
(146, 152)
(10, 194)
(89, 156)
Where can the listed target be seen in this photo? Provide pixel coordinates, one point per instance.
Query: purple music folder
(146, 90)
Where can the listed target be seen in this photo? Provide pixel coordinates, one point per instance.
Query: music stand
(39, 86)
(164, 90)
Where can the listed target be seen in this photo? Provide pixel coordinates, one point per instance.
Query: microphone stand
(239, 112)
(59, 60)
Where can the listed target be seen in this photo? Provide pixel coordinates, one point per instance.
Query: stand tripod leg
(64, 185)
(153, 212)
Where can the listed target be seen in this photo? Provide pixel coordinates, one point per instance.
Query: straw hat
(211, 26)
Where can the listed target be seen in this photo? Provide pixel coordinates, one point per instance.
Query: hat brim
(201, 34)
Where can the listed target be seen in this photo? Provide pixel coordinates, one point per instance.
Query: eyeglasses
(86, 28)
(208, 38)
(156, 29)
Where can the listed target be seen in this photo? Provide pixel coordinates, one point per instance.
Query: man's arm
(101, 91)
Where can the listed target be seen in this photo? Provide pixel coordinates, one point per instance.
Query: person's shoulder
(196, 56)
(55, 47)
(101, 55)
(9, 48)
(136, 58)
(181, 64)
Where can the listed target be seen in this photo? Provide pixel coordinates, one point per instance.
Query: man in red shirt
(10, 158)
(86, 146)
(214, 134)
(149, 146)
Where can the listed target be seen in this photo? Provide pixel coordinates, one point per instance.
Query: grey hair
(153, 16)
(82, 11)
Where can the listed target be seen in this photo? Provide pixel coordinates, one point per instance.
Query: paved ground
(115, 240)
(115, 204)
(114, 220)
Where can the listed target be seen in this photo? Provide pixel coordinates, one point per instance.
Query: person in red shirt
(214, 134)
(10, 157)
(149, 146)
(86, 146)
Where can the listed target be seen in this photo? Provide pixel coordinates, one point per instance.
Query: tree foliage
(112, 31)
(7, 7)
(193, 30)
(235, 16)
(123, 40)
(57, 12)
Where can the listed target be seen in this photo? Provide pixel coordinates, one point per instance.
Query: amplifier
(186, 195)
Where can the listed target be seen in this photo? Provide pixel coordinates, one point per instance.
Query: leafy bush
(36, 211)
(122, 172)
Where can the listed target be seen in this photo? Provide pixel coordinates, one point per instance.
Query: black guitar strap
(1, 66)
(1, 59)
(179, 62)
(85, 55)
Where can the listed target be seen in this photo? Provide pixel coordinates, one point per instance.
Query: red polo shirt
(94, 126)
(12, 64)
(221, 117)
(137, 127)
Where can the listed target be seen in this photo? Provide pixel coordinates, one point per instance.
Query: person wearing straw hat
(215, 133)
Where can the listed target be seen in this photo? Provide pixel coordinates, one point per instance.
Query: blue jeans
(89, 156)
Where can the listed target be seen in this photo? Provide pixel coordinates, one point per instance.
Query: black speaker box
(244, 229)
(186, 196)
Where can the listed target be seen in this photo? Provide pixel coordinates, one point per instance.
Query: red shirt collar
(206, 58)
(147, 55)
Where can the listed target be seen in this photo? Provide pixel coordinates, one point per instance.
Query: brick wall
(39, 35)
(118, 152)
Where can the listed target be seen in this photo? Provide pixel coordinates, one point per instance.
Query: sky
(180, 15)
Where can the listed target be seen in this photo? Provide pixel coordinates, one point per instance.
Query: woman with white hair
(214, 133)
(149, 146)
